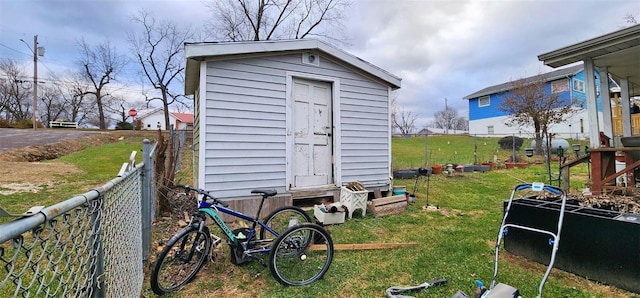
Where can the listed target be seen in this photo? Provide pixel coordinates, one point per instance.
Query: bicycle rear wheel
(301, 255)
(181, 259)
(282, 218)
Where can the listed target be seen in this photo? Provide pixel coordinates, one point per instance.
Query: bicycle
(300, 252)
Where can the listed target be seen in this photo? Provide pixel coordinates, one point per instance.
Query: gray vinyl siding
(364, 126)
(245, 139)
(196, 138)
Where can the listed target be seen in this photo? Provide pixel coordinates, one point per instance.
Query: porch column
(605, 96)
(626, 108)
(592, 104)
(626, 117)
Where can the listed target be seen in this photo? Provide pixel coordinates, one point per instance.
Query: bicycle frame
(211, 209)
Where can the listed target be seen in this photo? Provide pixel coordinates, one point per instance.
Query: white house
(154, 119)
(300, 116)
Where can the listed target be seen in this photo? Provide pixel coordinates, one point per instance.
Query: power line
(18, 51)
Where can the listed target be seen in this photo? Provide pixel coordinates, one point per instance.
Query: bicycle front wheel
(301, 255)
(283, 218)
(181, 259)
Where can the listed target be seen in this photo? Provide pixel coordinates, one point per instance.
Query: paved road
(11, 138)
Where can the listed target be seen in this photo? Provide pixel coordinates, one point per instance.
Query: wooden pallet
(388, 205)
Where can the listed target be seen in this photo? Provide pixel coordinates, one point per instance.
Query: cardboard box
(328, 218)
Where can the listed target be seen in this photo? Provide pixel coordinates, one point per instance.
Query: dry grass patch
(17, 177)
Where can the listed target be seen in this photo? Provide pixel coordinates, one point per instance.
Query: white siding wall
(571, 128)
(245, 138)
(150, 122)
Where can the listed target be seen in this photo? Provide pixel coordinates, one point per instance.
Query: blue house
(486, 118)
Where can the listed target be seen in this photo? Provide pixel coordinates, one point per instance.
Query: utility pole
(446, 111)
(35, 81)
(37, 51)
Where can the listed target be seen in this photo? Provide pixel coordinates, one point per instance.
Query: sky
(443, 50)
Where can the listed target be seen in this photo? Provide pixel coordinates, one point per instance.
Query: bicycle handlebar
(203, 192)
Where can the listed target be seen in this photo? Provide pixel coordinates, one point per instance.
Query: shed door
(312, 151)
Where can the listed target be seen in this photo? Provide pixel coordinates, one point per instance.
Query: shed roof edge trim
(199, 51)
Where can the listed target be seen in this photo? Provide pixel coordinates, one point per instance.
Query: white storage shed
(300, 116)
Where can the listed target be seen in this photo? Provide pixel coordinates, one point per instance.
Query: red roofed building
(182, 121)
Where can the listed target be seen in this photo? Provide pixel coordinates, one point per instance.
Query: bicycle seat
(265, 192)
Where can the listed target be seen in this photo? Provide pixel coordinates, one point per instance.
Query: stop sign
(133, 113)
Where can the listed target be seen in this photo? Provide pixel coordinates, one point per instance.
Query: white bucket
(622, 179)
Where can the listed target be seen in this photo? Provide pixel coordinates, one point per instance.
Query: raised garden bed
(601, 245)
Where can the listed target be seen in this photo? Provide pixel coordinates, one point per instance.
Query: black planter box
(404, 174)
(411, 173)
(597, 244)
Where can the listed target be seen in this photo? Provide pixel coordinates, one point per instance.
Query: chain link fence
(91, 245)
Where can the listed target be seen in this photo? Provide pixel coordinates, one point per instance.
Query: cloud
(440, 48)
(449, 49)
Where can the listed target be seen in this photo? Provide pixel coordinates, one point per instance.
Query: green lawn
(455, 243)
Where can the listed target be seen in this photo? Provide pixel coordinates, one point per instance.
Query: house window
(484, 101)
(490, 129)
(578, 85)
(559, 86)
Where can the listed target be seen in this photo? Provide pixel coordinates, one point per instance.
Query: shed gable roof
(550, 76)
(196, 52)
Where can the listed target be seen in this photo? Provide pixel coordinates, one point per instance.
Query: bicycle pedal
(261, 261)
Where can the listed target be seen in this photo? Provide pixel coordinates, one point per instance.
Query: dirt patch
(34, 172)
(456, 212)
(18, 177)
(21, 169)
(55, 150)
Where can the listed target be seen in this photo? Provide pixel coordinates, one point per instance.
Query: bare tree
(15, 92)
(79, 101)
(449, 119)
(159, 50)
(239, 20)
(53, 102)
(531, 102)
(100, 65)
(461, 124)
(405, 121)
(394, 109)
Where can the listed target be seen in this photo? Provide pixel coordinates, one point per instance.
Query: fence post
(146, 210)
(96, 235)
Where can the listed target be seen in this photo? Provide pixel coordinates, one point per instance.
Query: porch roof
(619, 51)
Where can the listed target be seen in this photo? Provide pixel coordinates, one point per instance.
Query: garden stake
(426, 207)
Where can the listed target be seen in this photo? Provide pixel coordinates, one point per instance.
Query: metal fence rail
(91, 245)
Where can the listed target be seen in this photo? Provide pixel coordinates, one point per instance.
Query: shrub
(507, 143)
(124, 126)
(24, 123)
(4, 123)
